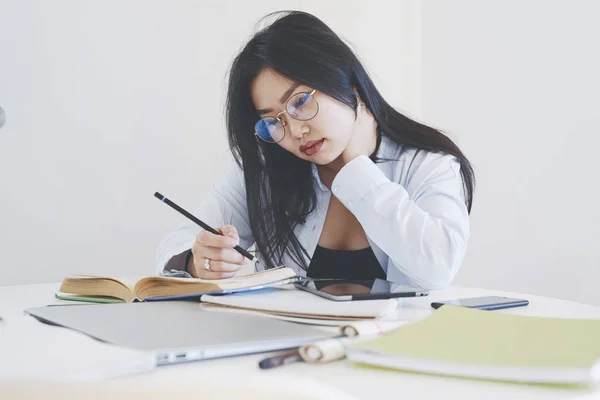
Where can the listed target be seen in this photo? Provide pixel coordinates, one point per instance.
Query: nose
(297, 129)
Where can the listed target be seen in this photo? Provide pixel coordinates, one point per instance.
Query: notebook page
(292, 300)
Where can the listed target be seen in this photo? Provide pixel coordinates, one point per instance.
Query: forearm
(180, 262)
(426, 235)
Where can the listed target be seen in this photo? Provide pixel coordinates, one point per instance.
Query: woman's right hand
(223, 259)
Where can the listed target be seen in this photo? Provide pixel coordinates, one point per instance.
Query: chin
(324, 160)
(321, 158)
(325, 156)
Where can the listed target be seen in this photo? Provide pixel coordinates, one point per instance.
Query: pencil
(168, 202)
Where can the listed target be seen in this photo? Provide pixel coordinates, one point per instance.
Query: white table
(357, 382)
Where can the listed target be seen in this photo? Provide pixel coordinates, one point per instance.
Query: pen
(202, 224)
(280, 359)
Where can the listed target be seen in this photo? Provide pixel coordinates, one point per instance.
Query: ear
(359, 103)
(356, 94)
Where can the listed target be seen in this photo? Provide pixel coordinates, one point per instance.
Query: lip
(309, 144)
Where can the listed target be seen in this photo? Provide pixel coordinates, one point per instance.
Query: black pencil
(202, 224)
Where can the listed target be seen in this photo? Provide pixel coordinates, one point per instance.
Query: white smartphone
(348, 290)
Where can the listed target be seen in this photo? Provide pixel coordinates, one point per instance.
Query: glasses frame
(282, 122)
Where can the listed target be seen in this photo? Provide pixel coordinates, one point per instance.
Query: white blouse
(412, 210)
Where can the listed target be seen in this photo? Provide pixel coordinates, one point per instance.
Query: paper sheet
(30, 349)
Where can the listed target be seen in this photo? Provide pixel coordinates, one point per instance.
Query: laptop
(176, 331)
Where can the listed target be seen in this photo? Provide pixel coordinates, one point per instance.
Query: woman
(327, 177)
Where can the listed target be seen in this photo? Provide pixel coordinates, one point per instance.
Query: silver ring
(207, 264)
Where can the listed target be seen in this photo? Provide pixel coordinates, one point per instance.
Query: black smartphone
(484, 303)
(347, 290)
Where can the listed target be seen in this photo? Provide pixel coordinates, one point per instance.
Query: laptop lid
(179, 331)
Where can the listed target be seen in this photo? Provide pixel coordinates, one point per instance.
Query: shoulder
(413, 168)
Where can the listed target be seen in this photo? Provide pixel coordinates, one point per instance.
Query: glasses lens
(302, 106)
(269, 129)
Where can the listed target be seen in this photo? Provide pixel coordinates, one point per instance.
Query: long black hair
(279, 185)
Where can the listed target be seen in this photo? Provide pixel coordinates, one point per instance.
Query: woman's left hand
(363, 139)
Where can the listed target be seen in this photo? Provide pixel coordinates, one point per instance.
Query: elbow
(435, 276)
(436, 268)
(439, 279)
(441, 259)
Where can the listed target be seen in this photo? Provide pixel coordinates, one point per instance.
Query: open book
(153, 288)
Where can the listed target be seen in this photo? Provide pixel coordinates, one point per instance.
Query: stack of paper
(292, 302)
(490, 345)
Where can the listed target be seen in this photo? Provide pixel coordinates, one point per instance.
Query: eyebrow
(283, 99)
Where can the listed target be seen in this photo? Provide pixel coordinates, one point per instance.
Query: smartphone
(484, 303)
(348, 290)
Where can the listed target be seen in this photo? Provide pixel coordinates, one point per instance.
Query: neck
(332, 168)
(328, 172)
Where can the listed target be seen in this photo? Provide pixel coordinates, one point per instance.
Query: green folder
(88, 299)
(490, 345)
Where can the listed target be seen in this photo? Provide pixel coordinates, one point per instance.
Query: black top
(345, 264)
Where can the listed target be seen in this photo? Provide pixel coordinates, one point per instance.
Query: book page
(102, 278)
(173, 286)
(270, 275)
(96, 286)
(258, 278)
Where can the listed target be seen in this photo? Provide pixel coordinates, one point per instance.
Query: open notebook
(105, 289)
(490, 345)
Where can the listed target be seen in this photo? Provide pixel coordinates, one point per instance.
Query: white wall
(110, 101)
(517, 83)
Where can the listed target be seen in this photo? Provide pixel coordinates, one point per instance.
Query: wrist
(188, 266)
(348, 156)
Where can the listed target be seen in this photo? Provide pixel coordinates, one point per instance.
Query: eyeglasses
(301, 106)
